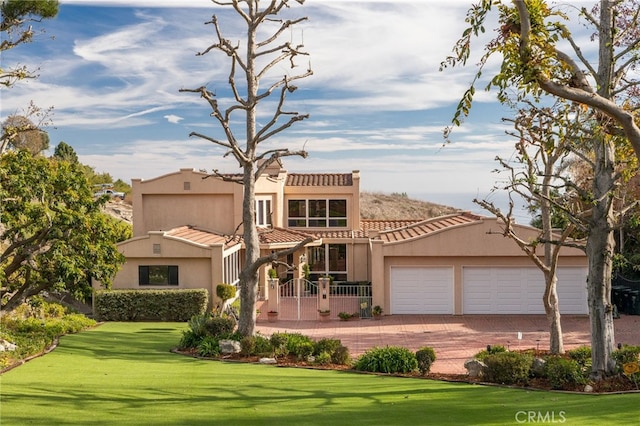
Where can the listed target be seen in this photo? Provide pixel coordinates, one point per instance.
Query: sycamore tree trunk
(552, 311)
(249, 275)
(600, 246)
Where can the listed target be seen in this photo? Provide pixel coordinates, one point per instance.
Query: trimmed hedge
(149, 305)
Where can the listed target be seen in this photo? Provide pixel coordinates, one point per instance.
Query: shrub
(225, 291)
(304, 350)
(508, 367)
(341, 356)
(491, 350)
(209, 347)
(279, 343)
(390, 359)
(299, 345)
(626, 354)
(581, 355)
(197, 325)
(563, 373)
(323, 358)
(327, 345)
(247, 345)
(262, 345)
(425, 357)
(255, 345)
(220, 326)
(150, 305)
(190, 339)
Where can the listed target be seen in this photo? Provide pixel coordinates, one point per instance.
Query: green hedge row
(149, 305)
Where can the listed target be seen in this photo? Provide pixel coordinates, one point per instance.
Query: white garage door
(520, 290)
(421, 290)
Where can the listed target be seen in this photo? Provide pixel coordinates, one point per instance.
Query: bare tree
(545, 139)
(20, 132)
(250, 65)
(533, 63)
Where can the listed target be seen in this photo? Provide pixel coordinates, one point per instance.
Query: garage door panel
(421, 290)
(495, 290)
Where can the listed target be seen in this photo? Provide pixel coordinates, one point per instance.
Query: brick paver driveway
(454, 338)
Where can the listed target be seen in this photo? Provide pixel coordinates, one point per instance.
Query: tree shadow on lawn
(265, 393)
(140, 343)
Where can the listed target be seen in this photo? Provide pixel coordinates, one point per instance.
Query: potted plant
(324, 314)
(272, 316)
(376, 311)
(345, 316)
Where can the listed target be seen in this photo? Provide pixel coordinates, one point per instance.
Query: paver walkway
(454, 338)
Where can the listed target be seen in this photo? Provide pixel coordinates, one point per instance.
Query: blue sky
(377, 101)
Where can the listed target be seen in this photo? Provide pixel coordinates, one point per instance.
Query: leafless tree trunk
(253, 162)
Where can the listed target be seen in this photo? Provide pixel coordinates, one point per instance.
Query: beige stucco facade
(193, 221)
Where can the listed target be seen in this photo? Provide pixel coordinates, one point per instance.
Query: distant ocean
(464, 201)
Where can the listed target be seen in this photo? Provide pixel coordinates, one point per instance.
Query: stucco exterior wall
(192, 274)
(186, 198)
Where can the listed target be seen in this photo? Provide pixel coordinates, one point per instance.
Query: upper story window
(263, 211)
(317, 213)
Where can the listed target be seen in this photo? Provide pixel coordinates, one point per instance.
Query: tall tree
(533, 63)
(54, 235)
(16, 28)
(19, 132)
(65, 152)
(250, 65)
(545, 139)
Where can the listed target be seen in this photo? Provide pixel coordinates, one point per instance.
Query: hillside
(373, 205)
(376, 205)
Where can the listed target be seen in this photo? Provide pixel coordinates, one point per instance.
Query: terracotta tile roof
(347, 233)
(199, 236)
(282, 236)
(385, 225)
(429, 226)
(319, 179)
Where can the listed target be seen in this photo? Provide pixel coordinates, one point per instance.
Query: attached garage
(463, 264)
(421, 290)
(494, 290)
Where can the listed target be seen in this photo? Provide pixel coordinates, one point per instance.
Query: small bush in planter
(209, 347)
(491, 350)
(341, 356)
(327, 345)
(508, 367)
(376, 311)
(563, 373)
(581, 355)
(220, 326)
(390, 359)
(425, 356)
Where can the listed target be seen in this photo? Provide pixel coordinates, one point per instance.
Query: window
(317, 213)
(158, 275)
(263, 211)
(328, 259)
(231, 270)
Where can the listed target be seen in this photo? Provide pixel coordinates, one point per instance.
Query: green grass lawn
(123, 373)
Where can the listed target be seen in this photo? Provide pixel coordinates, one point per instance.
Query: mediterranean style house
(187, 234)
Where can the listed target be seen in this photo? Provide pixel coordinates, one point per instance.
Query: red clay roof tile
(319, 179)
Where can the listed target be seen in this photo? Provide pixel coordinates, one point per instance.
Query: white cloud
(172, 118)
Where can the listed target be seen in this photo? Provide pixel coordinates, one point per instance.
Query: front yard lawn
(124, 373)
